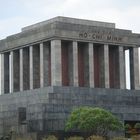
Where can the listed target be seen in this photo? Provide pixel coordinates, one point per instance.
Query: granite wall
(46, 109)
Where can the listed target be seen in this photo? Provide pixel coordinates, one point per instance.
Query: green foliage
(127, 126)
(75, 138)
(137, 125)
(51, 137)
(93, 137)
(119, 138)
(98, 120)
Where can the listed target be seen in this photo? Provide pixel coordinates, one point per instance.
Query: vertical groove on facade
(101, 66)
(96, 66)
(16, 73)
(65, 64)
(86, 65)
(47, 64)
(81, 73)
(6, 73)
(49, 72)
(113, 67)
(36, 66)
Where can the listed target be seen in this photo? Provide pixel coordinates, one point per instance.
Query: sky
(15, 14)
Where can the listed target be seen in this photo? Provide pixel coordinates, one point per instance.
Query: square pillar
(12, 77)
(56, 68)
(45, 74)
(91, 65)
(21, 69)
(73, 64)
(122, 82)
(2, 73)
(41, 65)
(134, 68)
(31, 66)
(106, 65)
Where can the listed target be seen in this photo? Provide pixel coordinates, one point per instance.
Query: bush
(75, 138)
(137, 126)
(127, 126)
(95, 138)
(119, 138)
(51, 137)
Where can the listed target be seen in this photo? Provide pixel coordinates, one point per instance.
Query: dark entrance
(132, 128)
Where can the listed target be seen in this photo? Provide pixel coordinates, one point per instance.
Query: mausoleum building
(51, 67)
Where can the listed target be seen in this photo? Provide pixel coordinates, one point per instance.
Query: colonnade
(67, 63)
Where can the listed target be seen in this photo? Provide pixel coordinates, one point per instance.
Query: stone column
(5, 75)
(56, 68)
(122, 68)
(106, 65)
(91, 65)
(44, 64)
(73, 64)
(134, 68)
(2, 73)
(21, 69)
(41, 65)
(31, 66)
(12, 77)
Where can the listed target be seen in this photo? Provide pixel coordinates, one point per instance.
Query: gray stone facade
(48, 108)
(54, 66)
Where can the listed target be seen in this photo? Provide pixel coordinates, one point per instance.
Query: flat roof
(72, 21)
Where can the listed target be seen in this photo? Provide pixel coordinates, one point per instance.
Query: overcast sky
(15, 14)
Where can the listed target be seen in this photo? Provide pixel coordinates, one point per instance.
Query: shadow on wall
(31, 136)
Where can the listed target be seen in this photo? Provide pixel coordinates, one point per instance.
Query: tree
(96, 120)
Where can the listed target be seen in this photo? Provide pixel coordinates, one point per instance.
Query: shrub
(127, 126)
(75, 138)
(95, 138)
(137, 126)
(51, 137)
(119, 138)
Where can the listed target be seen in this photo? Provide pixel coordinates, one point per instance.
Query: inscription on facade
(99, 36)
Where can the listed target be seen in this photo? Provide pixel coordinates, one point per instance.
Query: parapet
(72, 21)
